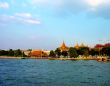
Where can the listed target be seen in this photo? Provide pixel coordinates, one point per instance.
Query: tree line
(11, 52)
(72, 52)
(83, 51)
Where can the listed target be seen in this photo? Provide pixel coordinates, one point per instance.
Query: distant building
(100, 46)
(38, 53)
(26, 52)
(107, 45)
(77, 46)
(63, 47)
(82, 45)
(47, 52)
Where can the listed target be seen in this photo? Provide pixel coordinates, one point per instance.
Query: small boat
(23, 57)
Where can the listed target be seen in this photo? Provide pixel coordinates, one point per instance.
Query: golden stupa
(63, 47)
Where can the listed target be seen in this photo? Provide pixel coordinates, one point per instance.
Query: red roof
(99, 46)
(108, 44)
(38, 54)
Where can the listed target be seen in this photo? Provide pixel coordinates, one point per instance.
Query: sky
(45, 24)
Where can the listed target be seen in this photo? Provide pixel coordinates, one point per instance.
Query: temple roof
(82, 45)
(63, 44)
(77, 45)
(63, 47)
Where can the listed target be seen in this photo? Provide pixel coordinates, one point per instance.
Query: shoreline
(51, 58)
(9, 57)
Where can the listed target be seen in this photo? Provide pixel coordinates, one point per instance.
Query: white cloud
(94, 3)
(6, 18)
(4, 5)
(27, 18)
(64, 7)
(31, 21)
(65, 2)
(24, 15)
(20, 18)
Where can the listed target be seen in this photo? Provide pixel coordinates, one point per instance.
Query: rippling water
(33, 72)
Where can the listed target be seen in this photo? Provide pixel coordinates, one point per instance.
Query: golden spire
(63, 44)
(82, 45)
(63, 47)
(77, 46)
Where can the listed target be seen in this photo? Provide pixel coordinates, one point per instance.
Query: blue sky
(45, 24)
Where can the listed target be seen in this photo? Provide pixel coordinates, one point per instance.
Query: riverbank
(9, 57)
(73, 58)
(13, 57)
(52, 58)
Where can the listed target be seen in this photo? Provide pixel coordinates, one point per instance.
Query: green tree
(64, 53)
(58, 52)
(0, 52)
(18, 53)
(94, 51)
(83, 51)
(73, 52)
(23, 54)
(11, 52)
(3, 53)
(106, 51)
(52, 53)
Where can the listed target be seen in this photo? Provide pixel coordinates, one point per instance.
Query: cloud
(20, 18)
(32, 21)
(4, 5)
(99, 8)
(5, 18)
(27, 18)
(24, 15)
(94, 3)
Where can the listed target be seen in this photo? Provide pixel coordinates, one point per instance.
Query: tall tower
(63, 47)
(82, 45)
(76, 46)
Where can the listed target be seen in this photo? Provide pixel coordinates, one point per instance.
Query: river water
(34, 72)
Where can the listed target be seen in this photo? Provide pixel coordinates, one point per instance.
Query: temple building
(38, 53)
(63, 47)
(100, 46)
(78, 46)
(82, 45)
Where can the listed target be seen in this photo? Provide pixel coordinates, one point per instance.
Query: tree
(11, 52)
(94, 51)
(106, 51)
(58, 52)
(52, 53)
(18, 52)
(83, 51)
(0, 52)
(3, 53)
(64, 53)
(23, 54)
(73, 52)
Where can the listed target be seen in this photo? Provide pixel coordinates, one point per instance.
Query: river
(34, 72)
